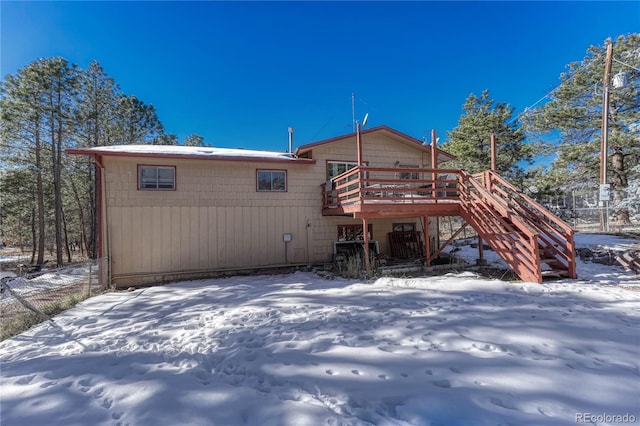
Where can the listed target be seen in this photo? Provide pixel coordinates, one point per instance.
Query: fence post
(90, 273)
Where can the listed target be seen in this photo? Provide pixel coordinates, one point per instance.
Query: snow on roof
(188, 151)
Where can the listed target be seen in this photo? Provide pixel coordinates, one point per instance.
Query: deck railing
(555, 237)
(376, 185)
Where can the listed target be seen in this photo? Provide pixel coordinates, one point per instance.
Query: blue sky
(241, 73)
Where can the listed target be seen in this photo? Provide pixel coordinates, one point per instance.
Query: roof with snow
(188, 152)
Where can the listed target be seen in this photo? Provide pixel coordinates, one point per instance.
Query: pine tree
(166, 139)
(45, 107)
(96, 121)
(24, 108)
(194, 140)
(470, 141)
(136, 122)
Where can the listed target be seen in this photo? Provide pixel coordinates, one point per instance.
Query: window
(272, 180)
(335, 168)
(409, 175)
(157, 177)
(353, 232)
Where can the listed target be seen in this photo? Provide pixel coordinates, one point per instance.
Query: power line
(548, 93)
(622, 63)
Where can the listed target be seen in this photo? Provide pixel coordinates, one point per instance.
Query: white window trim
(348, 163)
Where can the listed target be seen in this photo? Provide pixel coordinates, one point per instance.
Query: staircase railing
(505, 231)
(555, 237)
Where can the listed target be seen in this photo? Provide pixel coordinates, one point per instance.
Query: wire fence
(28, 298)
(582, 210)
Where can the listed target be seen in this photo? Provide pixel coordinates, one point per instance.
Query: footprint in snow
(26, 380)
(383, 377)
(107, 403)
(356, 372)
(509, 405)
(332, 372)
(442, 383)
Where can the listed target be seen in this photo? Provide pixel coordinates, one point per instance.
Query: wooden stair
(528, 237)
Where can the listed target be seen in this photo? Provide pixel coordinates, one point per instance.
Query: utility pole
(605, 190)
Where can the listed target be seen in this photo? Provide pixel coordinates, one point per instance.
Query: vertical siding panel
(261, 236)
(166, 238)
(212, 261)
(255, 236)
(194, 240)
(136, 236)
(156, 238)
(251, 248)
(240, 254)
(185, 236)
(230, 239)
(222, 235)
(146, 236)
(203, 236)
(115, 235)
(175, 238)
(287, 227)
(127, 253)
(272, 230)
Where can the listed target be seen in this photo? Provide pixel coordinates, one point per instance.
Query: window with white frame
(335, 168)
(157, 178)
(271, 180)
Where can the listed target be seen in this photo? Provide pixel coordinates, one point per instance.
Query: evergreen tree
(574, 113)
(61, 81)
(470, 141)
(96, 127)
(194, 140)
(166, 139)
(24, 110)
(45, 107)
(136, 122)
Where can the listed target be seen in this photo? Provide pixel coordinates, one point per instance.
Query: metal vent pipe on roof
(290, 139)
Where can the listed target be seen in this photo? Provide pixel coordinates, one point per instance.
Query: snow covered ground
(301, 350)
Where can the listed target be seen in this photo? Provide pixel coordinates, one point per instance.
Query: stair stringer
(555, 237)
(504, 231)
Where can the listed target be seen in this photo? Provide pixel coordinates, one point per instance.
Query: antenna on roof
(353, 110)
(364, 120)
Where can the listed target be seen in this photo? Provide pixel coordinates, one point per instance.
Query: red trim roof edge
(312, 145)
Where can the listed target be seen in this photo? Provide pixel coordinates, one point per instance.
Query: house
(175, 212)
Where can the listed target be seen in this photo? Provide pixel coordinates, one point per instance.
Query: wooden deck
(376, 192)
(528, 237)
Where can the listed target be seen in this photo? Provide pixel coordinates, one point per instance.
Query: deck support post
(481, 261)
(427, 242)
(434, 166)
(360, 161)
(365, 236)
